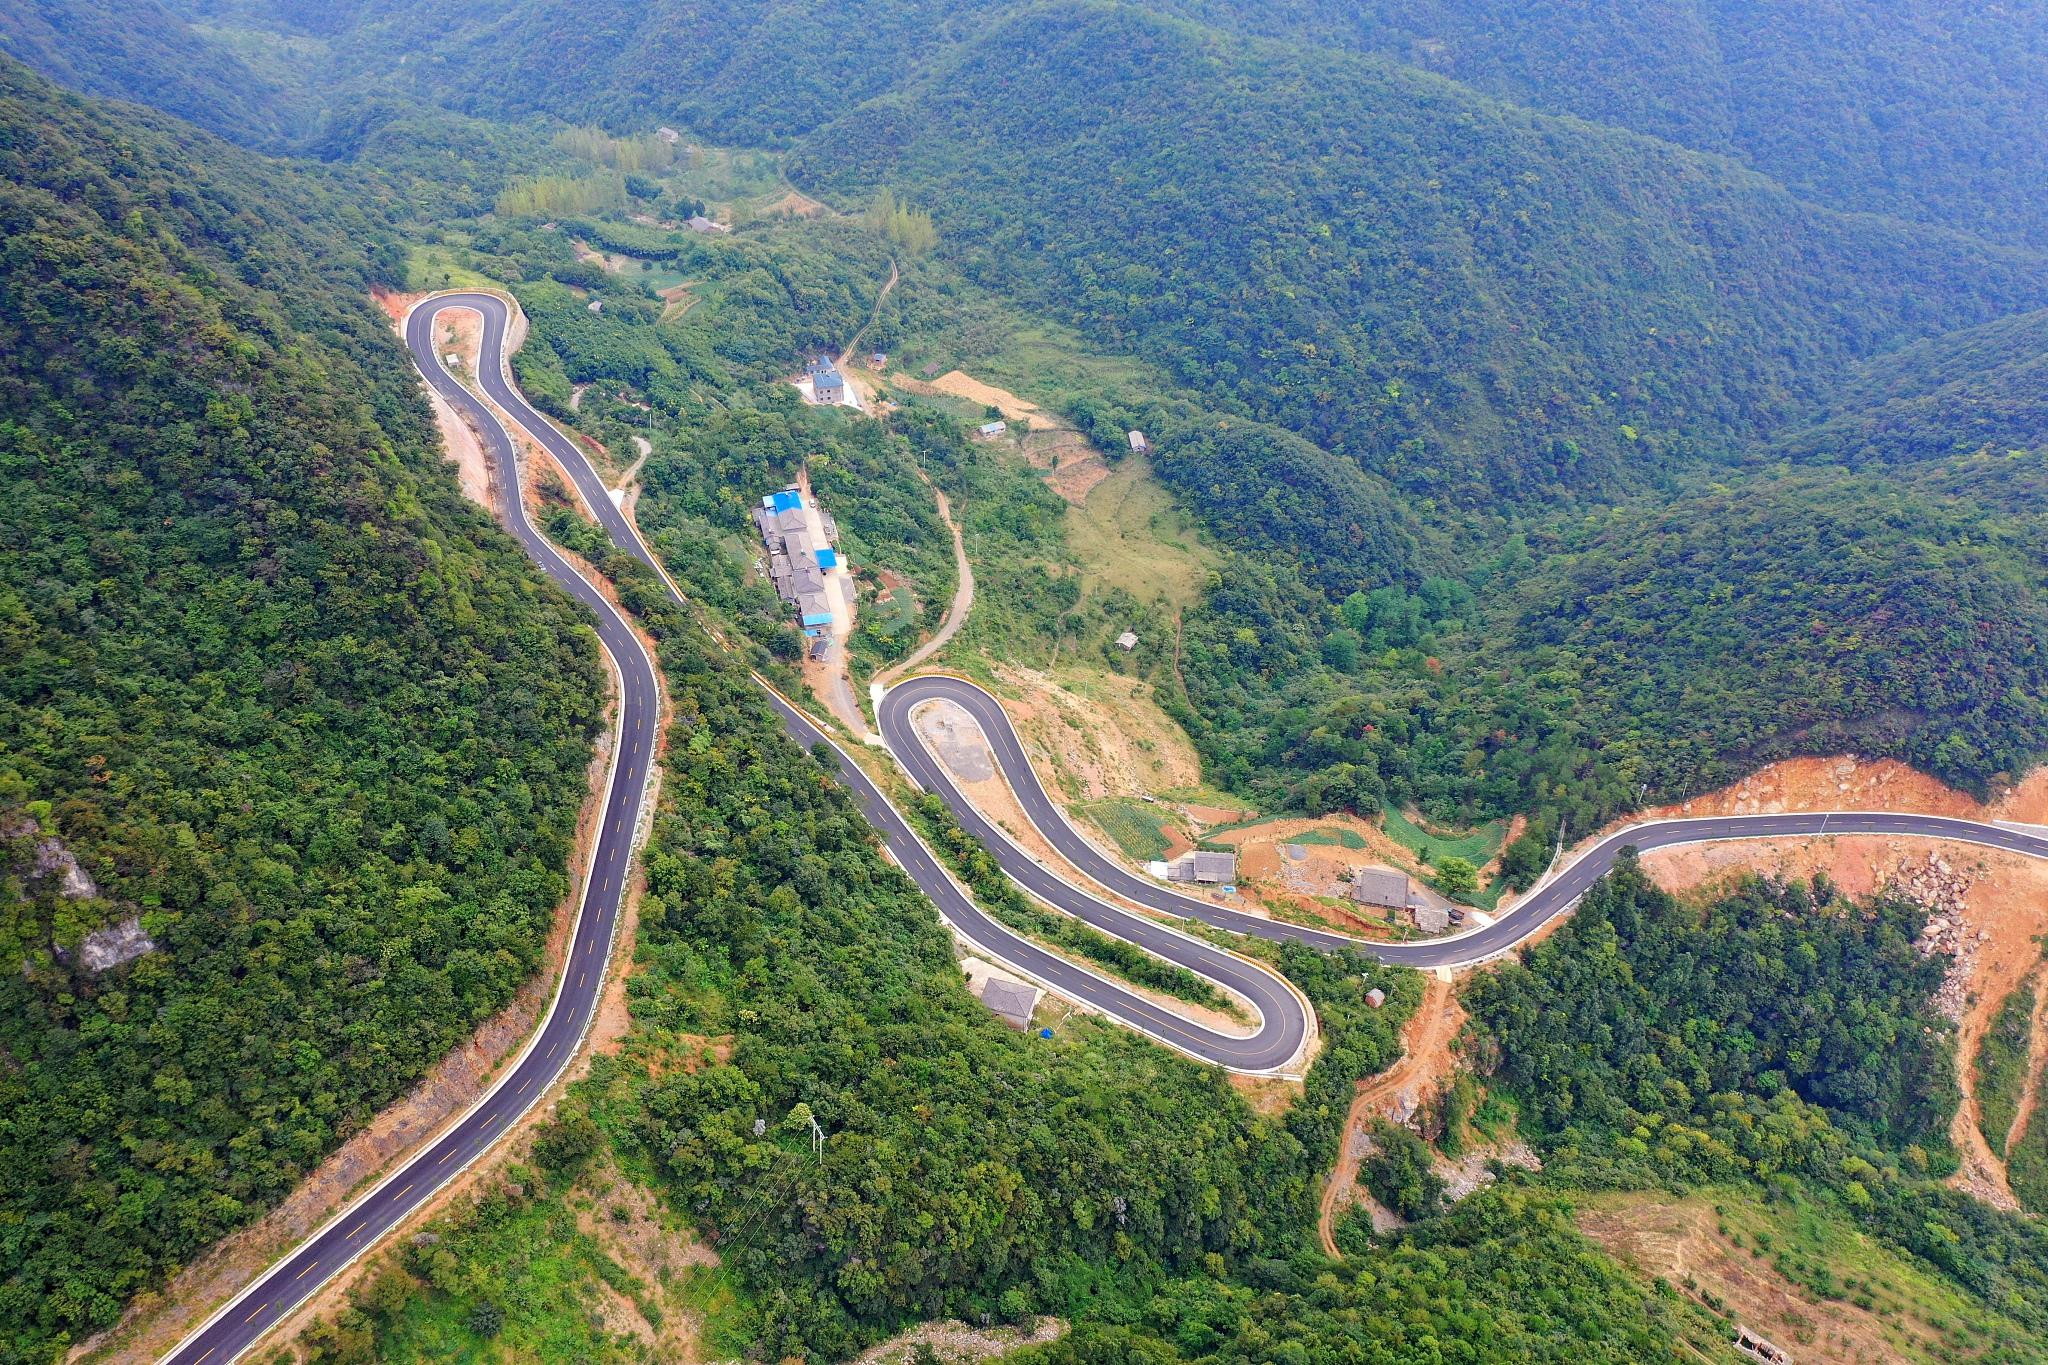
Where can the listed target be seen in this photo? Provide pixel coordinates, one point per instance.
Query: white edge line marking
(533, 1039)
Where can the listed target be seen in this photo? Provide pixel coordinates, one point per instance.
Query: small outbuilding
(1431, 919)
(1127, 641)
(1138, 444)
(1012, 1001)
(1375, 997)
(1208, 869)
(988, 431)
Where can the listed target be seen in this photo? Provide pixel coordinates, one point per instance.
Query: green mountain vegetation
(1783, 1036)
(1583, 409)
(1479, 303)
(1922, 110)
(304, 719)
(141, 50)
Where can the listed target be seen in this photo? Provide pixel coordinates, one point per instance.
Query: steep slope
(1922, 109)
(1476, 302)
(312, 731)
(1980, 388)
(139, 50)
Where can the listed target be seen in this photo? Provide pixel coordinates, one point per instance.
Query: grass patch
(1136, 827)
(2001, 1066)
(1715, 1245)
(895, 611)
(1327, 836)
(1477, 846)
(656, 275)
(438, 265)
(709, 1292)
(1130, 535)
(515, 1281)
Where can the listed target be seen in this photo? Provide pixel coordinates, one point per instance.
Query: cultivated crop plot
(1044, 679)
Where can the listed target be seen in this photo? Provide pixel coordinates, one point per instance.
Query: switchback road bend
(1532, 912)
(1283, 1022)
(237, 1326)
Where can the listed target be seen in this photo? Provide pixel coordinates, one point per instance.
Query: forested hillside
(312, 730)
(1920, 109)
(1480, 303)
(139, 50)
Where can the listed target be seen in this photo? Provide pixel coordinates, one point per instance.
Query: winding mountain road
(1283, 1024)
(1548, 900)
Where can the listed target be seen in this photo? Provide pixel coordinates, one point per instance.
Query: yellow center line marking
(259, 1308)
(311, 1266)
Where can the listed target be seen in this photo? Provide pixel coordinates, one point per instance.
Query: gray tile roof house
(1430, 919)
(1207, 868)
(1379, 886)
(827, 385)
(1011, 1001)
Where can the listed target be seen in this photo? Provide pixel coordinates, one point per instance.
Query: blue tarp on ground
(828, 558)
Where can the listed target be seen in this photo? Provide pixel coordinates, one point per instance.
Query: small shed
(1012, 1001)
(1127, 641)
(1375, 997)
(1138, 444)
(1209, 869)
(1431, 919)
(988, 431)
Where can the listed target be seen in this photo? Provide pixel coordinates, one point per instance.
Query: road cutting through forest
(1284, 1023)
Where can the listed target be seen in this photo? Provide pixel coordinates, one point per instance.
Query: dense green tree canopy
(280, 690)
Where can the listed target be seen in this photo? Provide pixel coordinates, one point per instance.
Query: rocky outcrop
(51, 862)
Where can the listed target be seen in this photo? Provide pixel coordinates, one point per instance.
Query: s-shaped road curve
(1547, 901)
(245, 1318)
(1283, 1016)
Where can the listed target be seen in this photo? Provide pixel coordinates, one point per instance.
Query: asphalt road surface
(1550, 899)
(237, 1326)
(1283, 1020)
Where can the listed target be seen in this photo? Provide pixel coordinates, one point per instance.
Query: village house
(827, 384)
(988, 431)
(1391, 890)
(797, 564)
(1381, 886)
(1209, 869)
(1012, 1001)
(1127, 641)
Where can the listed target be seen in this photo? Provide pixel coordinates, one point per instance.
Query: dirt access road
(1425, 1060)
(956, 615)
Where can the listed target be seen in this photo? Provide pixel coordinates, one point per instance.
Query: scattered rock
(123, 941)
(1941, 889)
(52, 858)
